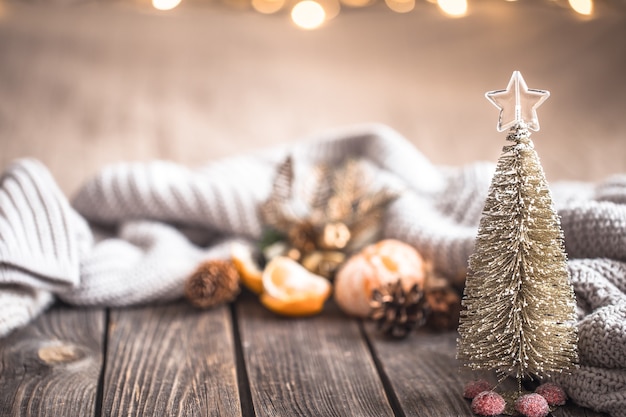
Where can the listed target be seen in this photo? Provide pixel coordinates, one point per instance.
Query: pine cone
(302, 237)
(445, 306)
(214, 282)
(444, 302)
(396, 311)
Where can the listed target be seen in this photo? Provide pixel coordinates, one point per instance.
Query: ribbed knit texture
(47, 249)
(148, 262)
(42, 237)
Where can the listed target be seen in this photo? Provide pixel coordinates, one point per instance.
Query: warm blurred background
(87, 82)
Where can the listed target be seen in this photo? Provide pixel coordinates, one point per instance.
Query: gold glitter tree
(518, 309)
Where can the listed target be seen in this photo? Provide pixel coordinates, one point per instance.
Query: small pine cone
(214, 282)
(396, 311)
(445, 308)
(302, 237)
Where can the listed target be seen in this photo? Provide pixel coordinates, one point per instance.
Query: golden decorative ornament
(335, 235)
(303, 237)
(323, 263)
(337, 209)
(377, 265)
(214, 282)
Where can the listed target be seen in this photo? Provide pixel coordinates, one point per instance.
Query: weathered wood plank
(423, 372)
(52, 366)
(571, 410)
(317, 366)
(426, 379)
(170, 360)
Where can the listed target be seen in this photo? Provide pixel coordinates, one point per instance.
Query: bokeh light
(267, 6)
(584, 7)
(356, 3)
(400, 6)
(308, 14)
(453, 8)
(165, 4)
(331, 8)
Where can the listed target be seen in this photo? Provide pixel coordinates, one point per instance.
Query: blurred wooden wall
(90, 83)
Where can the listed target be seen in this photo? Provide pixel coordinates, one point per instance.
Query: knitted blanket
(135, 232)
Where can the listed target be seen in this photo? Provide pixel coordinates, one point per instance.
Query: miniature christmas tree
(518, 315)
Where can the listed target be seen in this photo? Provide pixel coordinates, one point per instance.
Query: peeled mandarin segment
(289, 289)
(251, 275)
(285, 277)
(294, 308)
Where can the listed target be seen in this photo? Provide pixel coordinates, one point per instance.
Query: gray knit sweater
(168, 218)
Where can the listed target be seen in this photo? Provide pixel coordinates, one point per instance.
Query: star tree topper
(517, 103)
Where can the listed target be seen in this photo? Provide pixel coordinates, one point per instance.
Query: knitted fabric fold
(600, 382)
(147, 262)
(598, 388)
(20, 304)
(221, 197)
(47, 249)
(42, 237)
(595, 229)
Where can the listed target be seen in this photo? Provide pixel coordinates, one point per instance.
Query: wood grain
(170, 360)
(52, 366)
(317, 366)
(426, 377)
(571, 410)
(423, 372)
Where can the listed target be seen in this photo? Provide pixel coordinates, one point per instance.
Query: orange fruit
(373, 267)
(251, 275)
(290, 290)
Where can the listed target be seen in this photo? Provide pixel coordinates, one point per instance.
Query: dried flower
(336, 210)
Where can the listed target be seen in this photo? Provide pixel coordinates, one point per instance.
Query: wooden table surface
(234, 360)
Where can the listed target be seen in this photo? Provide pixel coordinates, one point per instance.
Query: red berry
(553, 393)
(488, 403)
(532, 405)
(473, 388)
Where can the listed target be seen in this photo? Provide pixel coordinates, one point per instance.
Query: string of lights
(312, 14)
